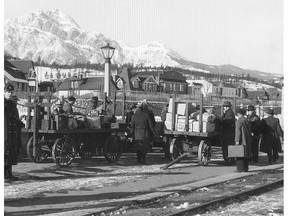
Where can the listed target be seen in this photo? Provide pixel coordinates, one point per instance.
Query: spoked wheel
(112, 149)
(176, 148)
(41, 151)
(63, 151)
(85, 148)
(204, 152)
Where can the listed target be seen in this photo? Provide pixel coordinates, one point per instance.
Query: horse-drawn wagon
(52, 137)
(187, 136)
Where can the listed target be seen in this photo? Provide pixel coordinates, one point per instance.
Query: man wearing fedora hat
(228, 131)
(141, 125)
(243, 137)
(272, 132)
(12, 136)
(256, 128)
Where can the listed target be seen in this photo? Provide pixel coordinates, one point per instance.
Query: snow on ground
(118, 175)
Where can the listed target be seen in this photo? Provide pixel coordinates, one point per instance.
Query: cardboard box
(196, 126)
(181, 108)
(168, 125)
(169, 117)
(180, 126)
(170, 105)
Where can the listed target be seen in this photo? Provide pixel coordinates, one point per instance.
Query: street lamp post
(107, 52)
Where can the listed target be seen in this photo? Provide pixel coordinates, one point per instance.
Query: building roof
(23, 65)
(195, 84)
(89, 83)
(12, 73)
(224, 84)
(257, 94)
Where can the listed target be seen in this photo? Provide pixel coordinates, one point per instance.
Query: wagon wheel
(112, 148)
(85, 148)
(204, 152)
(176, 148)
(41, 152)
(63, 151)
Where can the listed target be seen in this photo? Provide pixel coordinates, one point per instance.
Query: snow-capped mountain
(54, 37)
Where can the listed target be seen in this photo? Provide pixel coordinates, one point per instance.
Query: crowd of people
(249, 130)
(244, 128)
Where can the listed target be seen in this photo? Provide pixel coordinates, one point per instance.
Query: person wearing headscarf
(141, 125)
(228, 131)
(256, 128)
(243, 137)
(272, 132)
(12, 135)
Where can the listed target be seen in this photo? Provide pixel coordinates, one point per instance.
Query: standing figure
(152, 117)
(141, 124)
(243, 137)
(129, 115)
(67, 107)
(272, 132)
(228, 131)
(12, 136)
(256, 128)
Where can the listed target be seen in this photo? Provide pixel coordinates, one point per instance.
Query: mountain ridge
(55, 37)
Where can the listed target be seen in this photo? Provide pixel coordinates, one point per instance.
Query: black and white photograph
(143, 107)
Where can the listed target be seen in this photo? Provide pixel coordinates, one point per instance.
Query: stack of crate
(194, 124)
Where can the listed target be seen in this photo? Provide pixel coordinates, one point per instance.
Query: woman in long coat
(12, 135)
(141, 125)
(243, 136)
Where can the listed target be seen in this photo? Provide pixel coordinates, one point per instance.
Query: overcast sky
(245, 33)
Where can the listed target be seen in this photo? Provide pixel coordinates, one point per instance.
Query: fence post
(123, 106)
(114, 103)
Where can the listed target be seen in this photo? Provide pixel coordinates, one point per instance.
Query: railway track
(222, 201)
(201, 200)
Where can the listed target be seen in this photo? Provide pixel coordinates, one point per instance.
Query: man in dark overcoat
(12, 135)
(243, 136)
(141, 124)
(152, 117)
(256, 128)
(272, 132)
(228, 131)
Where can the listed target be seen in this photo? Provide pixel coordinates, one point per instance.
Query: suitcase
(237, 151)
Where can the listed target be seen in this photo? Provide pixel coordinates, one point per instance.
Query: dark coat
(256, 125)
(228, 127)
(141, 124)
(272, 132)
(243, 133)
(12, 133)
(151, 115)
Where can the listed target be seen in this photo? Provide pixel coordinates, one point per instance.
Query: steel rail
(250, 192)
